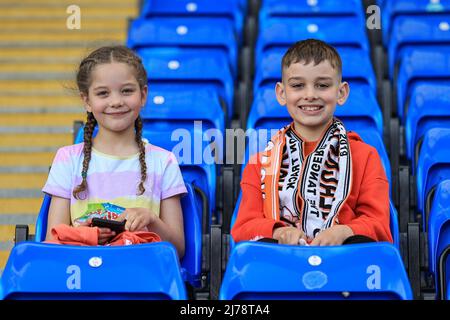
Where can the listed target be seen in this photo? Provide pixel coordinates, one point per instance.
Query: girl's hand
(104, 234)
(137, 218)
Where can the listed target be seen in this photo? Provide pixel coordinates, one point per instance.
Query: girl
(116, 169)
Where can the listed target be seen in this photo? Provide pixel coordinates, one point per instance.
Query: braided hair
(106, 55)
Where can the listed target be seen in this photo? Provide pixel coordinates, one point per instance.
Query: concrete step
(44, 67)
(24, 159)
(65, 38)
(81, 3)
(37, 86)
(39, 102)
(58, 119)
(22, 181)
(20, 206)
(37, 52)
(60, 11)
(35, 139)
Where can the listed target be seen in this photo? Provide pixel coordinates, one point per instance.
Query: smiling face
(311, 93)
(114, 96)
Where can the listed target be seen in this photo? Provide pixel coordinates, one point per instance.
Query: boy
(314, 183)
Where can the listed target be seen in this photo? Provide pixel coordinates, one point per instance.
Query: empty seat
(439, 235)
(394, 10)
(433, 166)
(231, 10)
(183, 69)
(283, 32)
(413, 31)
(416, 67)
(206, 34)
(330, 8)
(428, 108)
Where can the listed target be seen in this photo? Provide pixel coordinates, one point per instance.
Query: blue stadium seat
(184, 69)
(283, 32)
(267, 113)
(304, 8)
(359, 271)
(356, 68)
(164, 275)
(187, 123)
(412, 31)
(415, 67)
(428, 108)
(439, 230)
(49, 271)
(205, 34)
(433, 166)
(418, 9)
(231, 10)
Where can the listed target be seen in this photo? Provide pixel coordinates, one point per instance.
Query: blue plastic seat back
(360, 271)
(304, 8)
(433, 165)
(205, 34)
(439, 227)
(49, 271)
(428, 108)
(415, 67)
(418, 9)
(232, 10)
(356, 68)
(283, 32)
(411, 31)
(361, 110)
(192, 218)
(190, 69)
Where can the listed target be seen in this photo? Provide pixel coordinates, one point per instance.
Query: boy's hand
(137, 218)
(288, 235)
(333, 236)
(104, 234)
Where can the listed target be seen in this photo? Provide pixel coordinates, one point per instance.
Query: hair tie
(84, 175)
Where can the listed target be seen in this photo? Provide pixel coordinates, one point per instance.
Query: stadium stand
(217, 62)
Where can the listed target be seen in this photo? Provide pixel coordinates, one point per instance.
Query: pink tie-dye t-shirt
(113, 181)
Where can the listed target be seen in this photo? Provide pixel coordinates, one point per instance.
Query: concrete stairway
(39, 56)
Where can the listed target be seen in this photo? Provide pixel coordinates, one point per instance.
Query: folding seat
(185, 69)
(208, 35)
(361, 111)
(439, 238)
(433, 166)
(278, 33)
(329, 8)
(394, 10)
(191, 124)
(356, 69)
(428, 108)
(359, 271)
(37, 270)
(231, 10)
(420, 65)
(416, 32)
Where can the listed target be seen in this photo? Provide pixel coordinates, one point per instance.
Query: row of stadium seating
(201, 59)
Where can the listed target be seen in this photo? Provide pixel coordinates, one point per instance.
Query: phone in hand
(117, 226)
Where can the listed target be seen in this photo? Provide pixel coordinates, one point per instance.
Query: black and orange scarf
(324, 183)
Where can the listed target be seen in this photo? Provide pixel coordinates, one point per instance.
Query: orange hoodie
(366, 210)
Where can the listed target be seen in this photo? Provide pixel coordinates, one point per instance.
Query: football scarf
(324, 178)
